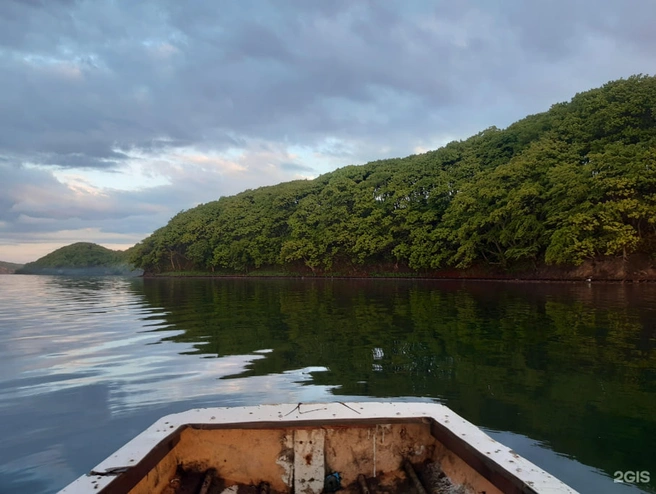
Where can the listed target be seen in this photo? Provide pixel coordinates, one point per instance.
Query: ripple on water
(87, 363)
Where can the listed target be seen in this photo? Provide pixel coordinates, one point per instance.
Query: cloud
(42, 209)
(213, 98)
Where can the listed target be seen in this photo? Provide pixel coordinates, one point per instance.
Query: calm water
(564, 374)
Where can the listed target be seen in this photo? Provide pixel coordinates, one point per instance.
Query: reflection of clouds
(84, 332)
(202, 382)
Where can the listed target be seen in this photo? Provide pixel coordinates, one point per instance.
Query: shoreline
(636, 269)
(404, 278)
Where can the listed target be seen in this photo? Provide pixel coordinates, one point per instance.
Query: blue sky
(115, 115)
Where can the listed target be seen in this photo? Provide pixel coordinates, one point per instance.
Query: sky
(115, 115)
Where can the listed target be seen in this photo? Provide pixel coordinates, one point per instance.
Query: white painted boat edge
(511, 464)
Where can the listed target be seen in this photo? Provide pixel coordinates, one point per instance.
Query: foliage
(571, 184)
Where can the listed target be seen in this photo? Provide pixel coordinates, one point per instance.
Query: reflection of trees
(572, 365)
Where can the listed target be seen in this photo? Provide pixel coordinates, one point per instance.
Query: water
(564, 374)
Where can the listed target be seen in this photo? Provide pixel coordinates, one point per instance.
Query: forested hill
(573, 185)
(8, 267)
(80, 258)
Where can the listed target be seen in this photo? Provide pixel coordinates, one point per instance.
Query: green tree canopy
(573, 183)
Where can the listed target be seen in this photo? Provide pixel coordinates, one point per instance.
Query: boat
(309, 448)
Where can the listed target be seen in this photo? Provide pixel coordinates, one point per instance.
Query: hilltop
(8, 267)
(80, 258)
(567, 193)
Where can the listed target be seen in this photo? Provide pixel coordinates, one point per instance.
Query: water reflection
(85, 364)
(569, 365)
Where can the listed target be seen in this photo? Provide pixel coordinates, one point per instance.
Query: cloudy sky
(117, 114)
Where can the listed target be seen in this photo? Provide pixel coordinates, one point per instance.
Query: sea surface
(564, 374)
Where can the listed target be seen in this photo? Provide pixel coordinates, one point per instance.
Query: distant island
(565, 194)
(9, 267)
(82, 258)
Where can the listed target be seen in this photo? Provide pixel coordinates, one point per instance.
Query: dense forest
(80, 258)
(574, 184)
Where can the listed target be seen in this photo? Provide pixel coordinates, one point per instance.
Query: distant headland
(81, 258)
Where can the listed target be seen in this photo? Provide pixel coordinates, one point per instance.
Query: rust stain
(308, 459)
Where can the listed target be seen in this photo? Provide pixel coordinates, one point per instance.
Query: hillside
(8, 267)
(571, 190)
(80, 258)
